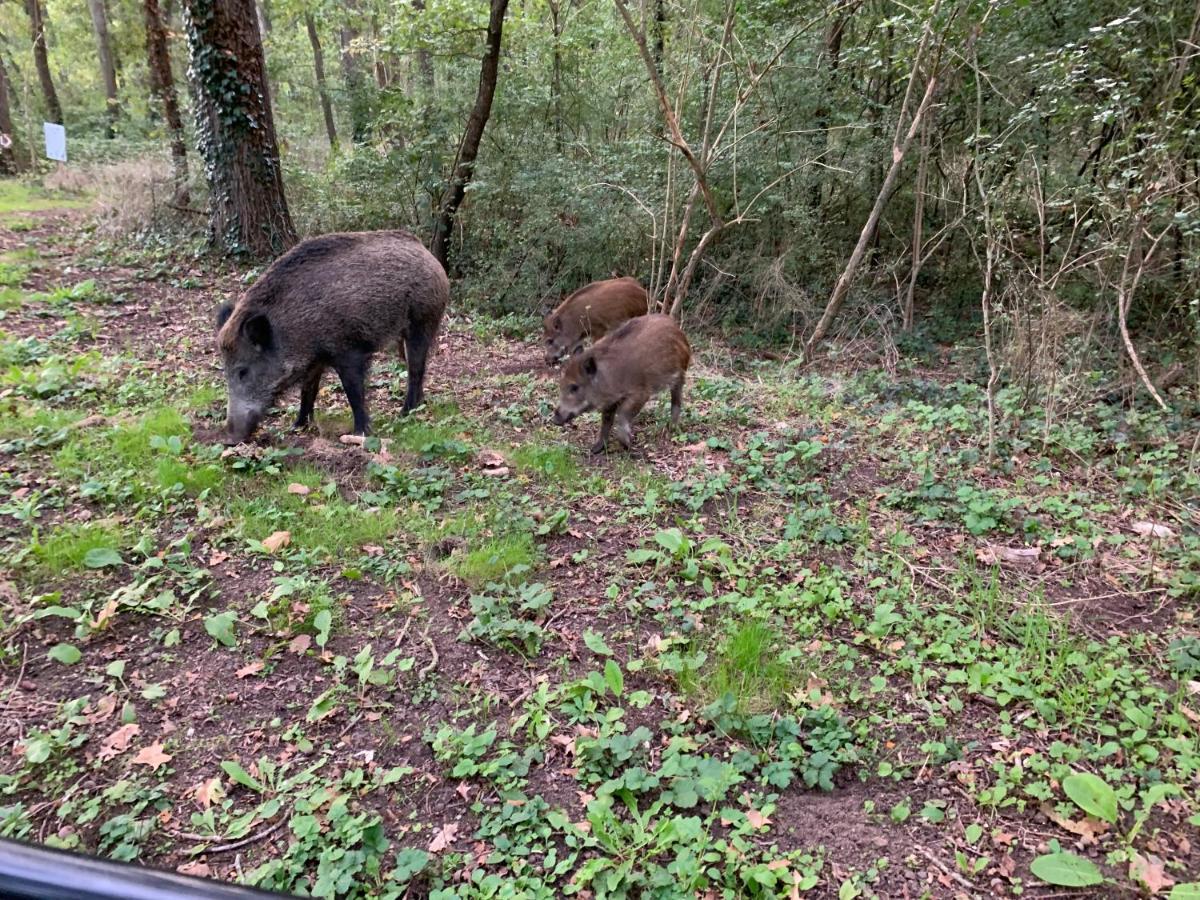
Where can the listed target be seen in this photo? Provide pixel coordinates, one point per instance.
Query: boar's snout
(240, 422)
(562, 417)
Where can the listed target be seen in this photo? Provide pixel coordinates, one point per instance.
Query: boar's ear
(223, 314)
(589, 365)
(258, 331)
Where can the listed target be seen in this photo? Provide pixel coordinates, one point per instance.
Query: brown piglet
(621, 372)
(591, 311)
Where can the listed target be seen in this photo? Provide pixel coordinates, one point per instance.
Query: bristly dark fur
(332, 302)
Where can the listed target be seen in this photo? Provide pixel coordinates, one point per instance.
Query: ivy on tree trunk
(248, 212)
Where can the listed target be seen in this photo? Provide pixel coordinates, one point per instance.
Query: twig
(252, 839)
(550, 621)
(16, 684)
(1073, 600)
(351, 724)
(953, 875)
(433, 662)
(404, 631)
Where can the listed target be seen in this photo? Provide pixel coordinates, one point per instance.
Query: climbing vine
(234, 133)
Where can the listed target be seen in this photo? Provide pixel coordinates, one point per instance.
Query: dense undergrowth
(816, 643)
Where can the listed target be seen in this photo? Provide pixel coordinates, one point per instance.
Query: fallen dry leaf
(756, 819)
(298, 489)
(208, 792)
(1149, 872)
(106, 612)
(103, 709)
(277, 540)
(300, 643)
(152, 756)
(118, 742)
(444, 838)
(1087, 827)
(356, 440)
(252, 669)
(195, 868)
(218, 557)
(1152, 529)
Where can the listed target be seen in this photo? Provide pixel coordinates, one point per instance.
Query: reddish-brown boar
(591, 312)
(621, 372)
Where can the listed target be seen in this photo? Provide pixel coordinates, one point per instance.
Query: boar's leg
(676, 402)
(308, 395)
(626, 413)
(352, 370)
(416, 352)
(606, 423)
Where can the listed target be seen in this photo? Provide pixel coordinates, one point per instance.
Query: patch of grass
(12, 274)
(19, 196)
(499, 559)
(99, 452)
(66, 547)
(11, 298)
(553, 463)
(205, 397)
(431, 437)
(322, 519)
(515, 326)
(25, 422)
(748, 667)
(146, 457)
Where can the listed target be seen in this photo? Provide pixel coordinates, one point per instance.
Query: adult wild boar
(621, 372)
(591, 311)
(330, 302)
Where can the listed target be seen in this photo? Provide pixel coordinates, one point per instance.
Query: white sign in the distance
(56, 141)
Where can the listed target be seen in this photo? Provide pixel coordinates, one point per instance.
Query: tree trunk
(8, 159)
(37, 30)
(660, 35)
(556, 76)
(469, 148)
(248, 212)
(322, 87)
(352, 75)
(424, 59)
(108, 71)
(842, 287)
(162, 88)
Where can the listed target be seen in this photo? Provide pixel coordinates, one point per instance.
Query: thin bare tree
(162, 88)
(468, 148)
(108, 70)
(41, 61)
(322, 88)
